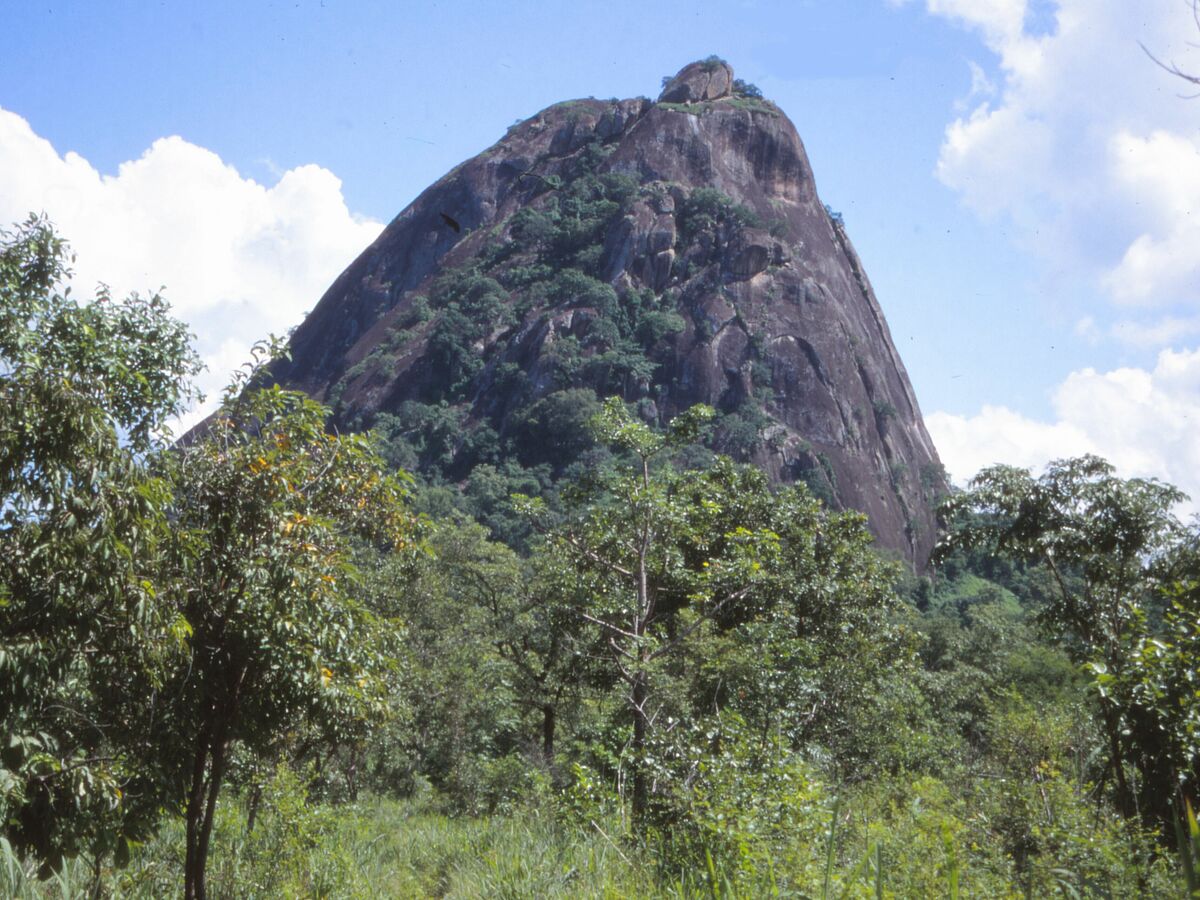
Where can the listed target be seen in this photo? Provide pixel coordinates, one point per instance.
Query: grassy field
(383, 849)
(908, 839)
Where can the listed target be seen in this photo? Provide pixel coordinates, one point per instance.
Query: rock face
(672, 256)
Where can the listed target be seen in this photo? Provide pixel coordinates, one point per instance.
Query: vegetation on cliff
(669, 254)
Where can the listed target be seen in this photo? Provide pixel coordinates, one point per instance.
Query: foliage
(290, 849)
(908, 842)
(702, 590)
(746, 89)
(707, 208)
(1110, 546)
(260, 572)
(84, 393)
(459, 708)
(1162, 688)
(754, 807)
(420, 434)
(555, 429)
(457, 685)
(1188, 841)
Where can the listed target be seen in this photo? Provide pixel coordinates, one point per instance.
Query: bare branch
(595, 557)
(613, 628)
(1174, 69)
(626, 675)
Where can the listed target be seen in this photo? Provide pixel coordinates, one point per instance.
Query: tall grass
(410, 849)
(1187, 839)
(19, 881)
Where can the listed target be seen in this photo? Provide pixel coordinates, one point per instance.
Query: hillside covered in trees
(552, 580)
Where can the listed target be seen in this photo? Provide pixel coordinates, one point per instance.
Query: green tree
(1163, 688)
(457, 687)
(486, 693)
(85, 389)
(1111, 546)
(621, 551)
(262, 572)
(705, 591)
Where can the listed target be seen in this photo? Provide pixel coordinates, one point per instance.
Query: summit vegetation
(602, 660)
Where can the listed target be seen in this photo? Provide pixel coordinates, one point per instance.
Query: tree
(619, 553)
(707, 582)
(85, 389)
(1111, 547)
(261, 572)
(457, 687)
(1162, 687)
(538, 637)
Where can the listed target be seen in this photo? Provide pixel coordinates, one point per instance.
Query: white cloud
(1087, 146)
(1146, 422)
(238, 259)
(1166, 331)
(1089, 150)
(1160, 173)
(997, 435)
(1000, 20)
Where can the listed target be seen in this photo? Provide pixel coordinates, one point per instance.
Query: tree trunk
(641, 789)
(1117, 761)
(252, 813)
(639, 689)
(210, 806)
(192, 869)
(208, 771)
(352, 774)
(548, 715)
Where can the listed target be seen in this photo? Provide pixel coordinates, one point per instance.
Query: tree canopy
(706, 592)
(84, 393)
(1119, 561)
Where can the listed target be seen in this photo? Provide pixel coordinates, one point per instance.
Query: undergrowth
(915, 842)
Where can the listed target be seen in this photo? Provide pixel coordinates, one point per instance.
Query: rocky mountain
(672, 252)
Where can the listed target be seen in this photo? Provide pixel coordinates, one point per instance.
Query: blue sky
(1017, 175)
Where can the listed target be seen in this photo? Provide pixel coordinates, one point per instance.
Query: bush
(753, 809)
(706, 208)
(555, 429)
(746, 89)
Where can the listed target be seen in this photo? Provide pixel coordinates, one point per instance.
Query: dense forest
(268, 661)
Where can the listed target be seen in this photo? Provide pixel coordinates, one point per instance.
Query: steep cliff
(673, 252)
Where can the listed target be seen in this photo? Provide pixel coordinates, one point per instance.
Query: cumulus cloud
(1002, 21)
(981, 86)
(1146, 422)
(1087, 145)
(1160, 173)
(238, 259)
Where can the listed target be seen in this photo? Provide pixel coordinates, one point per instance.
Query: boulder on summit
(709, 79)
